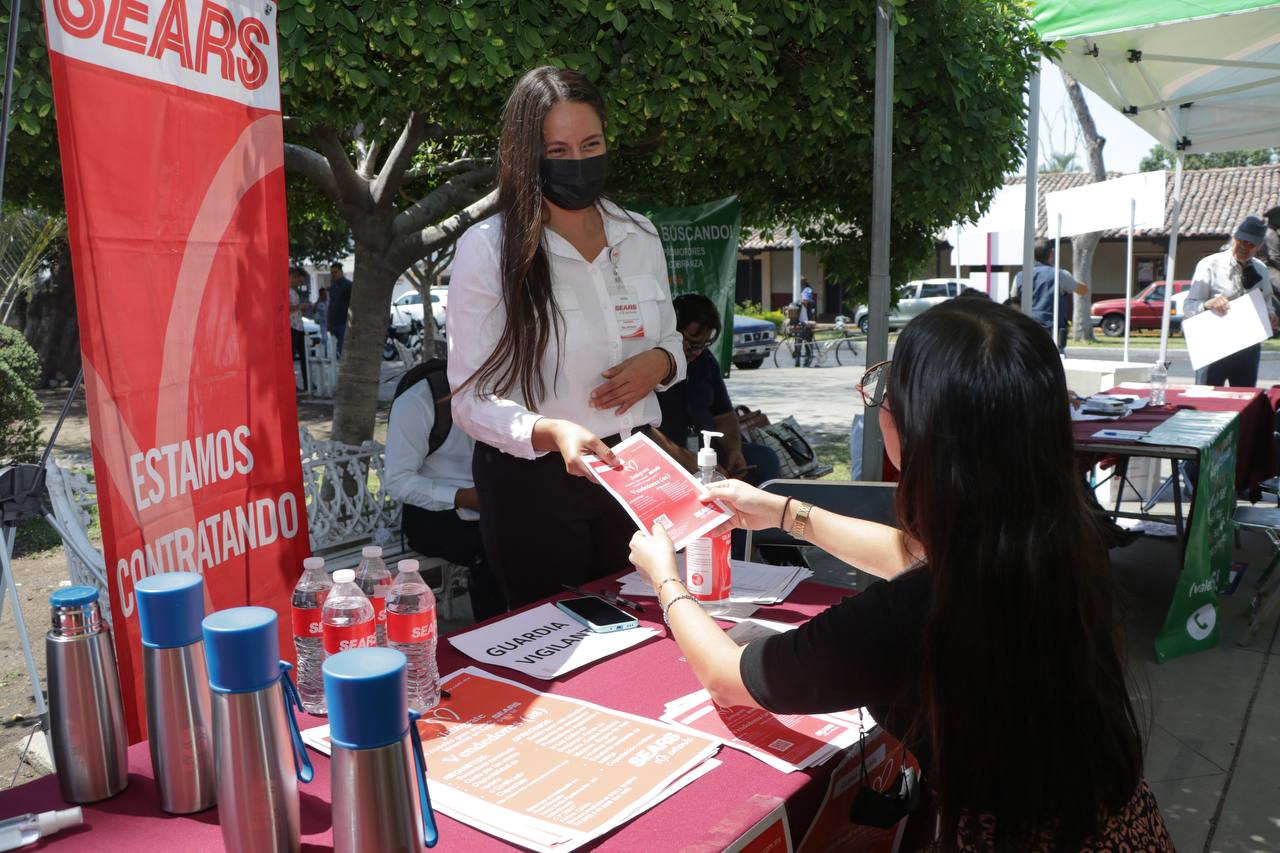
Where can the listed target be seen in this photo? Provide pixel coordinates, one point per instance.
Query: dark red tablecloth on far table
(641, 680)
(1255, 447)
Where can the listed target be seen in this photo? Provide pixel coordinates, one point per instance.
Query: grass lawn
(1150, 340)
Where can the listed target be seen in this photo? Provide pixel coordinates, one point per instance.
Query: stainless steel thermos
(179, 718)
(380, 799)
(90, 747)
(259, 756)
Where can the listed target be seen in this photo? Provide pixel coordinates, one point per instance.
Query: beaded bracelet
(667, 609)
(667, 581)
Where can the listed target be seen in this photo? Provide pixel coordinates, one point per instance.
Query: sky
(1126, 144)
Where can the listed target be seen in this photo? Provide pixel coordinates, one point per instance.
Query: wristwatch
(801, 520)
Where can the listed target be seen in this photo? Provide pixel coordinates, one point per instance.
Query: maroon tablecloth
(641, 680)
(1255, 448)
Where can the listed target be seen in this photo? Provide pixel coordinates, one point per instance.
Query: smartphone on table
(597, 614)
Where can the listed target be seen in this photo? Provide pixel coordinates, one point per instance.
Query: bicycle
(814, 351)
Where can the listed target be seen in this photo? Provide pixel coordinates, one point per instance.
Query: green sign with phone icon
(1192, 623)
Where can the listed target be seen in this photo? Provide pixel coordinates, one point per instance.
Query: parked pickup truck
(914, 298)
(1144, 310)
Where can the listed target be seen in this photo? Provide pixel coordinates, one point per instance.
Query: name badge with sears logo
(626, 303)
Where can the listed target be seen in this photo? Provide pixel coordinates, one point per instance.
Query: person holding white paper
(993, 648)
(1218, 279)
(560, 331)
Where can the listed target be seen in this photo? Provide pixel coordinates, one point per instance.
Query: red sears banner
(172, 160)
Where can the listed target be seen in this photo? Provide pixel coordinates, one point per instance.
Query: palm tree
(1059, 161)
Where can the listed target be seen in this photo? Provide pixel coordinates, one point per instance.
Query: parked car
(753, 340)
(408, 306)
(1144, 310)
(914, 298)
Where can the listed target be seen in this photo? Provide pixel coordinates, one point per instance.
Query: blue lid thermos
(179, 718)
(86, 716)
(380, 799)
(260, 756)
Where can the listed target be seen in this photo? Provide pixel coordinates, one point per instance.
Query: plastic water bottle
(411, 629)
(308, 632)
(1159, 382)
(347, 616)
(374, 581)
(708, 574)
(24, 829)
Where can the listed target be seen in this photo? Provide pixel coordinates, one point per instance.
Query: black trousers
(1239, 370)
(443, 534)
(299, 343)
(543, 527)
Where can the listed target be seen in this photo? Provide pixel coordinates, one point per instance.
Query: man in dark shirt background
(701, 402)
(339, 302)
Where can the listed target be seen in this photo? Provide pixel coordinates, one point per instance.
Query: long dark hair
(1024, 687)
(532, 316)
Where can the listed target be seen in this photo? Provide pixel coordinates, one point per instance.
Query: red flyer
(654, 489)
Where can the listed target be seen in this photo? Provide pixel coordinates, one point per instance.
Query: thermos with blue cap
(258, 749)
(86, 716)
(179, 718)
(380, 799)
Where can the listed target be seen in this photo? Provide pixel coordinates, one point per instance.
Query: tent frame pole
(881, 201)
(1171, 259)
(1057, 278)
(1029, 211)
(1128, 277)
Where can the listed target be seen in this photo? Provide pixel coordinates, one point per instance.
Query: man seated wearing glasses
(701, 402)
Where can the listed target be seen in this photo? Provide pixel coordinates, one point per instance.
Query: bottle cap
(242, 649)
(313, 563)
(344, 576)
(170, 607)
(73, 596)
(56, 821)
(371, 551)
(707, 455)
(407, 566)
(366, 694)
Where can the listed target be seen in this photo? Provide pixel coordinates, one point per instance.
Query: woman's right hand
(752, 508)
(572, 442)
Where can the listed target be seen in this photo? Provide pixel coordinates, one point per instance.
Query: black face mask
(574, 184)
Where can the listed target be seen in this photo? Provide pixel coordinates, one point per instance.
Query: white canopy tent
(1200, 76)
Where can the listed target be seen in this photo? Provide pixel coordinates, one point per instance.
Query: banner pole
(1128, 277)
(15, 12)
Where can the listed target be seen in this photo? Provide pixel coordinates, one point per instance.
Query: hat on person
(1252, 230)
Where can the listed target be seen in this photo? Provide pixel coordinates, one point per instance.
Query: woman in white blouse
(560, 330)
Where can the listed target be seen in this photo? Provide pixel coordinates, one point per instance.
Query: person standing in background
(560, 331)
(298, 291)
(1042, 293)
(339, 304)
(1218, 279)
(322, 312)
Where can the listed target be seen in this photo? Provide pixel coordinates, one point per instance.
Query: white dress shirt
(1219, 275)
(413, 477)
(591, 297)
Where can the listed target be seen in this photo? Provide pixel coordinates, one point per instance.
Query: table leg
(1121, 476)
(1177, 509)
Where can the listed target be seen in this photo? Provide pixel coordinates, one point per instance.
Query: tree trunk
(1083, 246)
(50, 324)
(356, 398)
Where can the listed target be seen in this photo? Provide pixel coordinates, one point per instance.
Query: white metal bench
(347, 508)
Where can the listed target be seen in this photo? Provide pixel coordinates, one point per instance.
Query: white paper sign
(1210, 337)
(1105, 205)
(544, 642)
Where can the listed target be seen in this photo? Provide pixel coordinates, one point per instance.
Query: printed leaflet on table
(544, 642)
(786, 742)
(654, 489)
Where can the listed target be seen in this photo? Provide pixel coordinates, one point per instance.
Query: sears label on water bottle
(379, 610)
(307, 622)
(411, 627)
(707, 567)
(340, 638)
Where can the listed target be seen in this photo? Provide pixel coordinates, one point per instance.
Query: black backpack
(435, 372)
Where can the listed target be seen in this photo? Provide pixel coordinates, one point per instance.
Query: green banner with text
(701, 245)
(1191, 624)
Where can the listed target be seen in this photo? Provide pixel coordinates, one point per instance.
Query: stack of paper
(753, 583)
(547, 772)
(787, 742)
(544, 642)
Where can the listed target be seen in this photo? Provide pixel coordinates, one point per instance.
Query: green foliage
(1160, 158)
(19, 406)
(317, 233)
(756, 310)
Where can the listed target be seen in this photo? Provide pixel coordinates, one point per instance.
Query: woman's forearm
(877, 549)
(713, 657)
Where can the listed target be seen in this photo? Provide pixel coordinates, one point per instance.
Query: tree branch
(413, 247)
(312, 166)
(391, 177)
(439, 201)
(463, 165)
(352, 188)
